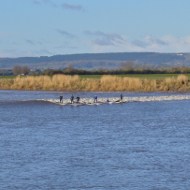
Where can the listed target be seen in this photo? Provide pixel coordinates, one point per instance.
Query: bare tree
(25, 70)
(16, 70)
(128, 65)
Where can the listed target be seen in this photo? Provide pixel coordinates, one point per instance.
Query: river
(128, 146)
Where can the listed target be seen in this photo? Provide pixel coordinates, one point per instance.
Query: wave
(90, 101)
(125, 99)
(12, 102)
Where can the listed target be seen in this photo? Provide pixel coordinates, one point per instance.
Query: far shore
(104, 84)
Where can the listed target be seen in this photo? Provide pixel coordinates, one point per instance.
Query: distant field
(142, 76)
(7, 77)
(90, 76)
(154, 76)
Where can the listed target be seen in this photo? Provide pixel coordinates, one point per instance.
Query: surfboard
(61, 104)
(74, 104)
(92, 104)
(97, 104)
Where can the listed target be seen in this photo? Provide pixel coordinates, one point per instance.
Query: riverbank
(105, 83)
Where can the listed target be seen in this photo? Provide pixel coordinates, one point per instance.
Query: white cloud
(112, 43)
(63, 6)
(36, 2)
(65, 33)
(30, 42)
(65, 46)
(98, 42)
(104, 35)
(105, 39)
(28, 53)
(40, 2)
(72, 7)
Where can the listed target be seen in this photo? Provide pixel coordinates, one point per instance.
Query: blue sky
(51, 27)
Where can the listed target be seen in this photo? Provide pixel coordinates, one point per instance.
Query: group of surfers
(78, 99)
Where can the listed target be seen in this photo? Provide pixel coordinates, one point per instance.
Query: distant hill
(92, 61)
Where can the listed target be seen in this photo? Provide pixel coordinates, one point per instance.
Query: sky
(31, 28)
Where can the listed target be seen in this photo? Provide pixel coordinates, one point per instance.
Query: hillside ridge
(97, 60)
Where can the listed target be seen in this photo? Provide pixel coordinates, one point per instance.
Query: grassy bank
(105, 83)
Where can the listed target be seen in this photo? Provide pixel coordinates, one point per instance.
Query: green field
(7, 77)
(154, 76)
(142, 76)
(90, 76)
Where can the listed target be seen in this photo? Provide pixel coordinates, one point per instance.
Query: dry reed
(106, 83)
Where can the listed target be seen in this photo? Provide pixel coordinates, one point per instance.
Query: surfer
(72, 98)
(95, 98)
(78, 99)
(61, 99)
(121, 97)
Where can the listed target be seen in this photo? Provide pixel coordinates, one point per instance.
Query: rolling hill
(92, 61)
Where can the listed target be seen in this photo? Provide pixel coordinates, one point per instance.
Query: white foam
(125, 99)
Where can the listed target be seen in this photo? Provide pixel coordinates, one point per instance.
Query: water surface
(130, 146)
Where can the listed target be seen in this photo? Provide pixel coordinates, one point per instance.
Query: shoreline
(161, 91)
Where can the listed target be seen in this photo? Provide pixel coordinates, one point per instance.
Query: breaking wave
(125, 99)
(90, 101)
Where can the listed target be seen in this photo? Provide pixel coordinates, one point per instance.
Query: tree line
(17, 70)
(173, 70)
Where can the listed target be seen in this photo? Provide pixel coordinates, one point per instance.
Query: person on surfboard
(121, 97)
(72, 98)
(95, 98)
(61, 99)
(78, 99)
